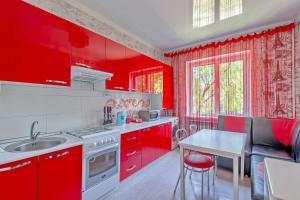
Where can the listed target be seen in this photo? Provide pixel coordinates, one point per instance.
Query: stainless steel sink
(34, 145)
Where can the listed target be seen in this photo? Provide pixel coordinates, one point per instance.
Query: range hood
(79, 73)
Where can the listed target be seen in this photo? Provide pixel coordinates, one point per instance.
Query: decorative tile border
(69, 12)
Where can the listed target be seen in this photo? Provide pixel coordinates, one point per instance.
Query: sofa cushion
(257, 177)
(295, 150)
(271, 152)
(245, 121)
(262, 133)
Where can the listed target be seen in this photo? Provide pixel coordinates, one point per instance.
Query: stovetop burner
(89, 131)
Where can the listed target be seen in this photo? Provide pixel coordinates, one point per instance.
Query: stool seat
(204, 154)
(199, 161)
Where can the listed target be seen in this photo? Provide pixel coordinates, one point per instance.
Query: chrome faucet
(34, 135)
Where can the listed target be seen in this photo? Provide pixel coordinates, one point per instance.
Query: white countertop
(6, 157)
(283, 179)
(216, 142)
(137, 126)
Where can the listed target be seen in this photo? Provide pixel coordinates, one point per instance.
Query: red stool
(195, 162)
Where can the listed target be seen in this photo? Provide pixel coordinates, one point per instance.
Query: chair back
(181, 134)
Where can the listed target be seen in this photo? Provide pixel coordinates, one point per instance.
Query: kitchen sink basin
(35, 145)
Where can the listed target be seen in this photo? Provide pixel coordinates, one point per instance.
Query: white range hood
(79, 73)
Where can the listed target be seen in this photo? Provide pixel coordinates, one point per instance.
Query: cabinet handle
(57, 155)
(83, 65)
(131, 154)
(132, 89)
(131, 168)
(131, 139)
(120, 88)
(15, 167)
(56, 81)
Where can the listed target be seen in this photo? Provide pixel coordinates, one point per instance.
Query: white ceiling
(167, 24)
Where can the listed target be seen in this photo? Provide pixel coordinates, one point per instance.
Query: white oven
(101, 164)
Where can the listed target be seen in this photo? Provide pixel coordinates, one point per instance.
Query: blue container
(121, 118)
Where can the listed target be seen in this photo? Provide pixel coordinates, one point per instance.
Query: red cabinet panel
(149, 146)
(168, 94)
(115, 57)
(130, 139)
(130, 161)
(87, 48)
(41, 47)
(60, 175)
(19, 180)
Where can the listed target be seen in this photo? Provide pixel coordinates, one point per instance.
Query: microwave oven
(149, 115)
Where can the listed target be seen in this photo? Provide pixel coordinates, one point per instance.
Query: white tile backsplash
(56, 108)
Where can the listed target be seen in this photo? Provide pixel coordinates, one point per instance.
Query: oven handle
(103, 149)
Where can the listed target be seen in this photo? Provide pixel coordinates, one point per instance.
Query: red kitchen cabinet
(149, 149)
(130, 154)
(168, 94)
(60, 175)
(19, 180)
(116, 63)
(130, 161)
(41, 47)
(167, 138)
(87, 48)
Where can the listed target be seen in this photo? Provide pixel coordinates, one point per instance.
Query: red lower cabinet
(53, 176)
(130, 161)
(18, 180)
(142, 147)
(60, 175)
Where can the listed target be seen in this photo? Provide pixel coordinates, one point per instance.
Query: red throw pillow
(234, 124)
(282, 129)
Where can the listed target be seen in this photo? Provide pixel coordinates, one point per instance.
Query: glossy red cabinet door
(18, 180)
(60, 175)
(115, 57)
(7, 42)
(148, 146)
(167, 138)
(168, 94)
(41, 46)
(87, 48)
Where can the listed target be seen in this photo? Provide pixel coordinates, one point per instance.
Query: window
(147, 80)
(230, 8)
(203, 86)
(203, 13)
(218, 85)
(231, 88)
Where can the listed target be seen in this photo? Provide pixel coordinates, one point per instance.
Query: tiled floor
(157, 182)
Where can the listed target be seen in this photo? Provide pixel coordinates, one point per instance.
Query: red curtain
(253, 75)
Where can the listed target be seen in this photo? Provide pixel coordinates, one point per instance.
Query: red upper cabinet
(19, 180)
(41, 47)
(168, 93)
(87, 48)
(115, 58)
(60, 175)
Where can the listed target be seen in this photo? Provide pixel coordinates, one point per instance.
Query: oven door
(101, 165)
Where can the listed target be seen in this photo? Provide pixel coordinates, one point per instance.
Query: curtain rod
(231, 36)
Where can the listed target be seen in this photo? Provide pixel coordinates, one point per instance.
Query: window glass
(231, 88)
(230, 8)
(203, 12)
(203, 102)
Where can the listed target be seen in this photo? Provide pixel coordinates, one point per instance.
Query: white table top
(283, 179)
(224, 143)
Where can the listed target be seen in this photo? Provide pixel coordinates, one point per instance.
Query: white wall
(56, 108)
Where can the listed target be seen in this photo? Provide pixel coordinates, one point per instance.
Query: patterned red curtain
(253, 75)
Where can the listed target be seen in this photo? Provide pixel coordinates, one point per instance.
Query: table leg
(242, 166)
(236, 178)
(182, 182)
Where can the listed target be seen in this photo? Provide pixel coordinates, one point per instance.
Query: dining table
(220, 143)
